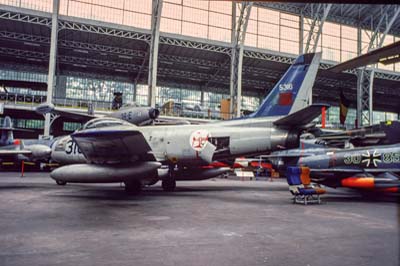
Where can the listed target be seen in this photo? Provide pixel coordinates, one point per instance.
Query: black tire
(61, 183)
(168, 184)
(133, 187)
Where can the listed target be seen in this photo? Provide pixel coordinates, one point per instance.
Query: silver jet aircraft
(117, 151)
(17, 150)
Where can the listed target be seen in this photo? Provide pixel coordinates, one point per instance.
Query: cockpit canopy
(104, 122)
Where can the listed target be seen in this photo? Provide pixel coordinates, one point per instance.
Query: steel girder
(16, 16)
(195, 45)
(83, 62)
(167, 40)
(240, 28)
(153, 50)
(319, 14)
(365, 75)
(51, 77)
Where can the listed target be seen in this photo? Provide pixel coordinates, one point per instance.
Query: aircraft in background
(16, 149)
(131, 113)
(373, 168)
(384, 133)
(121, 152)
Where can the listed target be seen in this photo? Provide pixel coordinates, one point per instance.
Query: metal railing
(24, 99)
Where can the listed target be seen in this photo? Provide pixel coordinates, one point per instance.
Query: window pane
(270, 30)
(331, 29)
(195, 15)
(137, 20)
(107, 14)
(268, 43)
(138, 6)
(221, 7)
(250, 40)
(219, 34)
(289, 47)
(193, 29)
(268, 15)
(170, 25)
(220, 20)
(290, 34)
(171, 11)
(349, 32)
(252, 27)
(196, 4)
(78, 9)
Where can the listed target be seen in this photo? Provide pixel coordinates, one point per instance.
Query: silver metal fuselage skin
(173, 144)
(246, 137)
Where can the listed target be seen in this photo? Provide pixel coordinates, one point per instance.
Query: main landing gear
(133, 187)
(169, 183)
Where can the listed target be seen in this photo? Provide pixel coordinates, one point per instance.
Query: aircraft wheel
(168, 184)
(133, 187)
(61, 183)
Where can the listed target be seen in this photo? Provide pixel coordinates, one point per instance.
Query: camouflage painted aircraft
(117, 151)
(373, 168)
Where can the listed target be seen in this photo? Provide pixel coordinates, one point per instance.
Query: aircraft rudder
(295, 83)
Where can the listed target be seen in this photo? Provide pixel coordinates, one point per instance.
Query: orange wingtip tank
(359, 182)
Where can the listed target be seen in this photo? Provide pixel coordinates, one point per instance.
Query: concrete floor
(213, 222)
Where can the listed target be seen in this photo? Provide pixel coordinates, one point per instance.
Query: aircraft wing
(118, 144)
(301, 117)
(50, 108)
(386, 55)
(14, 152)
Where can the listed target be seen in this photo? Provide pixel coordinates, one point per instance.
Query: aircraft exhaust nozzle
(93, 173)
(154, 113)
(44, 108)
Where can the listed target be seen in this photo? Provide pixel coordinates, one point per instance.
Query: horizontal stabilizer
(301, 117)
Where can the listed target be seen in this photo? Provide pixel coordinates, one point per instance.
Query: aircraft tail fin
(7, 135)
(293, 90)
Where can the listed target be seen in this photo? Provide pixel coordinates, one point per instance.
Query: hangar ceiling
(96, 49)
